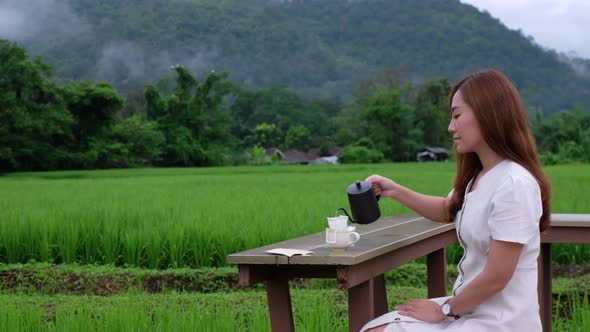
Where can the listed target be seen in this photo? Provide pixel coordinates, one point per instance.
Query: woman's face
(464, 126)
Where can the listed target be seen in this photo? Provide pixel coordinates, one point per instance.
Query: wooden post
(279, 305)
(379, 295)
(544, 286)
(436, 264)
(366, 301)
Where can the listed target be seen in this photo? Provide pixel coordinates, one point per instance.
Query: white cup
(341, 239)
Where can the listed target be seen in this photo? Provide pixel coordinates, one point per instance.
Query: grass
(46, 297)
(195, 217)
(314, 310)
(240, 311)
(176, 217)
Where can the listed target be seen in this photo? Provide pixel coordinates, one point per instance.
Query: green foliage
(320, 49)
(94, 106)
(195, 129)
(431, 107)
(139, 142)
(34, 121)
(298, 137)
(267, 135)
(354, 154)
(350, 125)
(215, 122)
(390, 124)
(564, 137)
(256, 156)
(283, 109)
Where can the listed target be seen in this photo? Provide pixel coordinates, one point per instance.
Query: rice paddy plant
(570, 253)
(241, 311)
(16, 318)
(581, 314)
(163, 218)
(110, 243)
(177, 246)
(573, 315)
(314, 310)
(153, 248)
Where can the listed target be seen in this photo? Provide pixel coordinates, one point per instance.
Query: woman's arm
(497, 273)
(431, 207)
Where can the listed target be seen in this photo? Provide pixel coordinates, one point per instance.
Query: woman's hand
(382, 185)
(424, 310)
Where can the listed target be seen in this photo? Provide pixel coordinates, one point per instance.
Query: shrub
(353, 154)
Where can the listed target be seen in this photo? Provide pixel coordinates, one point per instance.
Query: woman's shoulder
(515, 176)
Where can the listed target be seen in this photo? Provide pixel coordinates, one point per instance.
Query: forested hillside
(322, 49)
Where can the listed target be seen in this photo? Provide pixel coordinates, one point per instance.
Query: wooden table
(384, 245)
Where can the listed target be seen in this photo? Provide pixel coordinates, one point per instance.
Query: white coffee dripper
(339, 235)
(339, 223)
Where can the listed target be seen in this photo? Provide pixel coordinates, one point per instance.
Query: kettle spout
(346, 213)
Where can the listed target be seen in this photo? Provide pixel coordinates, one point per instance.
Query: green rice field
(162, 219)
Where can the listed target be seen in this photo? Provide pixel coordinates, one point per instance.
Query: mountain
(320, 48)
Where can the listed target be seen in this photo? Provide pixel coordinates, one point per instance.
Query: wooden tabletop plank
(382, 236)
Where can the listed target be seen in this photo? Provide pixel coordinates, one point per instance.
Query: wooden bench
(384, 245)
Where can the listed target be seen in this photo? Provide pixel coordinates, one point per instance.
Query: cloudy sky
(562, 25)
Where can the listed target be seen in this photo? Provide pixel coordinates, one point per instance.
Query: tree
(298, 137)
(431, 107)
(141, 142)
(390, 125)
(350, 124)
(190, 115)
(564, 137)
(284, 109)
(276, 105)
(34, 121)
(267, 135)
(94, 107)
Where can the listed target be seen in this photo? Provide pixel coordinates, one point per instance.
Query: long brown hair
(503, 122)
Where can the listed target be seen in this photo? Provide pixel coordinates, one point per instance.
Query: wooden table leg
(366, 301)
(279, 305)
(544, 286)
(436, 263)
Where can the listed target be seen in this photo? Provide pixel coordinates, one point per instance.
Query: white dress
(505, 206)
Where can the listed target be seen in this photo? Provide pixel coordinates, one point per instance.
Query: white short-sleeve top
(505, 206)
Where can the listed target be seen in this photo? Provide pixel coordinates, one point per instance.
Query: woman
(500, 204)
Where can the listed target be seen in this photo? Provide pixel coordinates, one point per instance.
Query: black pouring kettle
(363, 203)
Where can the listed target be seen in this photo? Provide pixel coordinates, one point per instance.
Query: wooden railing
(565, 228)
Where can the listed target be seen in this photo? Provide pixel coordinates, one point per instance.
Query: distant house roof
(335, 151)
(274, 152)
(332, 160)
(300, 157)
(437, 150)
(433, 154)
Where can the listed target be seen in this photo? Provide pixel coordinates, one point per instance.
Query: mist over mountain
(320, 48)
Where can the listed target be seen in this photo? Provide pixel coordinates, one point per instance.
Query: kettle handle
(346, 213)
